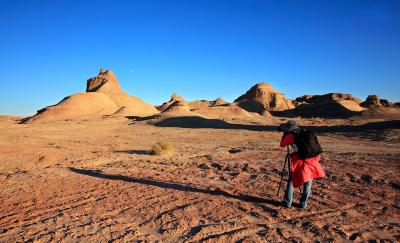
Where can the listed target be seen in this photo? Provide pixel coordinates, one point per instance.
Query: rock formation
(223, 112)
(198, 104)
(375, 101)
(380, 108)
(105, 82)
(371, 101)
(178, 106)
(315, 99)
(174, 98)
(103, 97)
(331, 105)
(263, 97)
(219, 102)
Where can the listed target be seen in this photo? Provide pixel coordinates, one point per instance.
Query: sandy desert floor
(92, 180)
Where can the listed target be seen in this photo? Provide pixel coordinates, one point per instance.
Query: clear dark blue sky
(199, 49)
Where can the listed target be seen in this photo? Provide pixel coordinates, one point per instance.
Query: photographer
(304, 163)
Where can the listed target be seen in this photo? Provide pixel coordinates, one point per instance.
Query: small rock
(217, 166)
(203, 166)
(394, 185)
(367, 178)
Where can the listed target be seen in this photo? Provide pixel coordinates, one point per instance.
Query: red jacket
(302, 170)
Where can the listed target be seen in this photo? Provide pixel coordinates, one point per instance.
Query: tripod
(287, 160)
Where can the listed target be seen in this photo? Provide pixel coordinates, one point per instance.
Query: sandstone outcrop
(371, 101)
(331, 105)
(103, 97)
(315, 99)
(263, 97)
(174, 98)
(198, 104)
(375, 101)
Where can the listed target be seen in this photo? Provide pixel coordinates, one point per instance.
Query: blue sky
(199, 49)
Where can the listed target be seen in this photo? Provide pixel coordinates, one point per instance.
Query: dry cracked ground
(93, 181)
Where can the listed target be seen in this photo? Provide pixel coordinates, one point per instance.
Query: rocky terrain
(81, 170)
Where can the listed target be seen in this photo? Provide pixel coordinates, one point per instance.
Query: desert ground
(92, 180)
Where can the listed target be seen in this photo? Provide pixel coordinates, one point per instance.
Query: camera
(282, 127)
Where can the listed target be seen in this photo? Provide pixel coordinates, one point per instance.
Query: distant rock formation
(174, 98)
(107, 83)
(198, 104)
(178, 106)
(216, 109)
(262, 97)
(103, 97)
(223, 112)
(380, 108)
(375, 101)
(315, 99)
(371, 101)
(218, 102)
(331, 105)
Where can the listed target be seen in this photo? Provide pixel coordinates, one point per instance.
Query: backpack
(307, 144)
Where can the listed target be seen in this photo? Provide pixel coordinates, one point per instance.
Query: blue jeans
(304, 197)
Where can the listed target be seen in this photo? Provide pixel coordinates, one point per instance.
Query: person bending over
(304, 163)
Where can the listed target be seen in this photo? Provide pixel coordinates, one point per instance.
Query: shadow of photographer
(176, 186)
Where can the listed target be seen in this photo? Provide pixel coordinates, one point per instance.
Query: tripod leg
(283, 170)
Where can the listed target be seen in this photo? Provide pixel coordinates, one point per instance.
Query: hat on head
(291, 126)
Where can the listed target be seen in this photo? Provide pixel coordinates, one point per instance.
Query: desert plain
(92, 178)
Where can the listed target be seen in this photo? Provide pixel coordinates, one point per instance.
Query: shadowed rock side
(262, 97)
(181, 106)
(103, 97)
(329, 109)
(175, 107)
(174, 98)
(105, 82)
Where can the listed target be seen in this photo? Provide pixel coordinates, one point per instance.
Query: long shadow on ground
(201, 122)
(372, 130)
(138, 152)
(174, 186)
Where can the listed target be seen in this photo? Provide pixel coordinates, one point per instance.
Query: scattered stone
(234, 151)
(394, 185)
(367, 178)
(216, 166)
